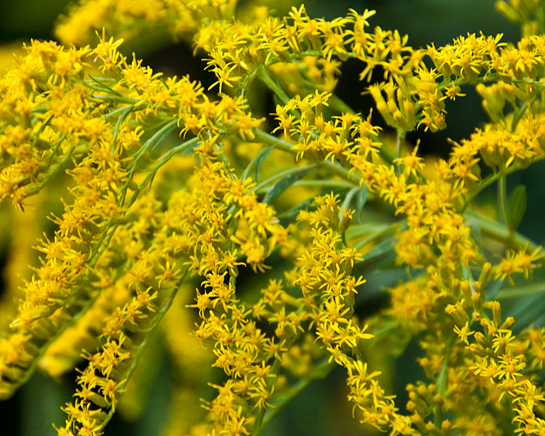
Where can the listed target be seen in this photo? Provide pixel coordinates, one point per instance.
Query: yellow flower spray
(187, 216)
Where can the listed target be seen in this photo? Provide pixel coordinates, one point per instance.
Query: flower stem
(157, 320)
(259, 421)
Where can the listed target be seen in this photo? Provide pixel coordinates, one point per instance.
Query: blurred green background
(32, 410)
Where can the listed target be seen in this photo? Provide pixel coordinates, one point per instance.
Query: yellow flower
(464, 332)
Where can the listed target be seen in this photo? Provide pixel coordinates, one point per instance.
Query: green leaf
(188, 148)
(476, 232)
(517, 207)
(361, 198)
(122, 117)
(261, 156)
(257, 161)
(292, 213)
(40, 131)
(384, 247)
(284, 183)
(105, 87)
(358, 230)
(521, 291)
(152, 142)
(526, 311)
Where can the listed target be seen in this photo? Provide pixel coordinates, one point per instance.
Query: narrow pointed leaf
(361, 199)
(517, 207)
(256, 162)
(284, 183)
(262, 155)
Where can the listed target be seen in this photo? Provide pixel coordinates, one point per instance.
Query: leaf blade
(284, 183)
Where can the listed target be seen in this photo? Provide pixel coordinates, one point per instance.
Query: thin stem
(520, 112)
(286, 146)
(492, 229)
(442, 382)
(153, 171)
(156, 321)
(152, 142)
(493, 177)
(498, 231)
(245, 85)
(258, 158)
(273, 86)
(266, 138)
(54, 169)
(258, 423)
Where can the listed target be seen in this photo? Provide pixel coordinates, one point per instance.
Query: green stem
(273, 86)
(156, 321)
(150, 143)
(40, 131)
(153, 171)
(493, 177)
(102, 86)
(54, 169)
(280, 144)
(517, 115)
(122, 117)
(114, 99)
(491, 228)
(245, 84)
(286, 146)
(442, 382)
(258, 423)
(498, 231)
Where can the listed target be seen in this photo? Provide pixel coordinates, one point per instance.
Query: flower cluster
(260, 238)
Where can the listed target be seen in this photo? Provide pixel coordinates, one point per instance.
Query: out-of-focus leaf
(476, 232)
(292, 213)
(256, 162)
(40, 399)
(358, 230)
(382, 248)
(521, 291)
(261, 156)
(517, 207)
(361, 198)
